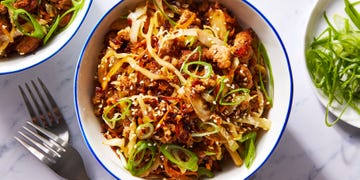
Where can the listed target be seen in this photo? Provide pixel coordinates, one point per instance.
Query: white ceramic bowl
(247, 15)
(19, 63)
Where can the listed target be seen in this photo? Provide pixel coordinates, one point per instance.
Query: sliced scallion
(237, 98)
(182, 157)
(144, 131)
(249, 145)
(206, 67)
(117, 116)
(209, 127)
(137, 164)
(333, 62)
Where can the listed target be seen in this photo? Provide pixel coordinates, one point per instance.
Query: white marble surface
(308, 149)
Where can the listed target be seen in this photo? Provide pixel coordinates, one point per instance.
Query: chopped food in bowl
(32, 31)
(178, 90)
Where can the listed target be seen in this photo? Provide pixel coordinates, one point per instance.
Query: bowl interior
(18, 63)
(248, 16)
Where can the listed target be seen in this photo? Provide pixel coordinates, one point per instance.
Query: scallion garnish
(249, 145)
(52, 29)
(207, 69)
(172, 22)
(333, 61)
(209, 127)
(182, 157)
(137, 164)
(196, 50)
(117, 116)
(238, 96)
(205, 172)
(144, 131)
(37, 32)
(264, 55)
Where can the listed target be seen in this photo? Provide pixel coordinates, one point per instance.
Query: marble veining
(308, 149)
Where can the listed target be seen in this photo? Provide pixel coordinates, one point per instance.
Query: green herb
(38, 31)
(207, 69)
(148, 128)
(209, 127)
(205, 172)
(173, 152)
(52, 29)
(196, 50)
(249, 145)
(237, 98)
(117, 116)
(77, 6)
(136, 159)
(264, 55)
(334, 64)
(172, 22)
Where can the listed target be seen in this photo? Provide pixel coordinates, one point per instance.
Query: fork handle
(71, 172)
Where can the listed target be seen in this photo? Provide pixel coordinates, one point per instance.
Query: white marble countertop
(308, 148)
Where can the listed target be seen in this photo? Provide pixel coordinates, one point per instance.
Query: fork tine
(48, 134)
(52, 102)
(46, 107)
(47, 142)
(37, 106)
(29, 106)
(36, 152)
(43, 147)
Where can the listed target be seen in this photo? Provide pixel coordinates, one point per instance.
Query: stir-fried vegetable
(181, 88)
(141, 158)
(182, 157)
(209, 127)
(249, 141)
(334, 64)
(39, 21)
(124, 104)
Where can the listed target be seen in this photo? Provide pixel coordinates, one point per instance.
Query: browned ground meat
(28, 45)
(3, 9)
(28, 5)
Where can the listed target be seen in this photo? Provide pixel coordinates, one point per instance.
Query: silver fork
(47, 137)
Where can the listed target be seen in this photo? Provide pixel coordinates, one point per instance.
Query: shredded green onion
(173, 8)
(237, 99)
(38, 31)
(205, 125)
(52, 29)
(208, 153)
(333, 62)
(190, 41)
(77, 6)
(221, 88)
(172, 22)
(205, 172)
(249, 145)
(117, 116)
(176, 154)
(263, 53)
(147, 127)
(207, 69)
(352, 12)
(135, 163)
(196, 50)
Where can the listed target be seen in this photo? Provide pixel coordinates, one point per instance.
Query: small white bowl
(247, 15)
(18, 63)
